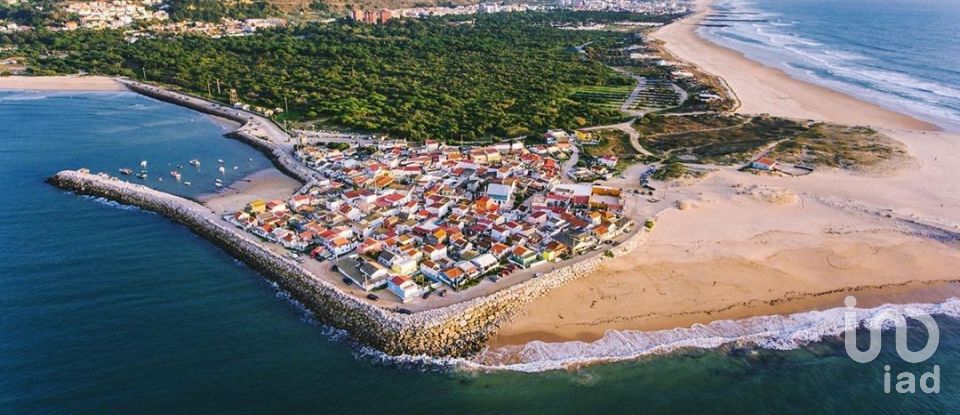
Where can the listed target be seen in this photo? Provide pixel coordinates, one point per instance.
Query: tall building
(370, 17)
(385, 15)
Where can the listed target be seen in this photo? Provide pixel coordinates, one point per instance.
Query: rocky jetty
(457, 330)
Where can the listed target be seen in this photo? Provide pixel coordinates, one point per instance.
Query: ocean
(903, 55)
(110, 309)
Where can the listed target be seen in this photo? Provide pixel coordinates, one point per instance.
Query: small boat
(179, 166)
(143, 164)
(176, 175)
(220, 161)
(159, 179)
(195, 162)
(186, 183)
(236, 167)
(218, 184)
(126, 172)
(222, 171)
(142, 176)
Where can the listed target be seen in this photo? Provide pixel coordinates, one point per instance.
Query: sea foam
(776, 332)
(769, 332)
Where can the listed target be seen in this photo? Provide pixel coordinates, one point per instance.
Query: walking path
(626, 127)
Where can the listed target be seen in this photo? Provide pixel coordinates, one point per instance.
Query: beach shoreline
(79, 83)
(788, 245)
(267, 184)
(762, 89)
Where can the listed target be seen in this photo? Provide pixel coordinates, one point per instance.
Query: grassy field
(729, 146)
(659, 124)
(839, 146)
(605, 96)
(614, 142)
(722, 139)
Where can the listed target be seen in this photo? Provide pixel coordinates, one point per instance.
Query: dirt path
(626, 127)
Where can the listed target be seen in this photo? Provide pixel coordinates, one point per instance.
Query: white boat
(220, 161)
(143, 164)
(125, 171)
(195, 162)
(218, 184)
(186, 183)
(222, 170)
(236, 167)
(175, 174)
(159, 179)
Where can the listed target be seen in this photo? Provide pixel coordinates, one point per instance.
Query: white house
(764, 163)
(501, 194)
(403, 288)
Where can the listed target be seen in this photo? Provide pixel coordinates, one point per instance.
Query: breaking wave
(116, 205)
(769, 332)
(871, 70)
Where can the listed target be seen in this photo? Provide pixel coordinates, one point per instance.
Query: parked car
(494, 278)
(347, 281)
(426, 295)
(373, 297)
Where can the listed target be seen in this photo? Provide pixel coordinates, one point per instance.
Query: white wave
(769, 332)
(107, 202)
(835, 68)
(307, 316)
(24, 97)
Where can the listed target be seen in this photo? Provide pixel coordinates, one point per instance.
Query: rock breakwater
(457, 330)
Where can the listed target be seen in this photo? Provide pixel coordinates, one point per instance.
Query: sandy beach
(267, 184)
(735, 245)
(762, 89)
(61, 83)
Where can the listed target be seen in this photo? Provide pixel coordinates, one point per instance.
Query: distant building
(369, 17)
(384, 16)
(764, 163)
(357, 15)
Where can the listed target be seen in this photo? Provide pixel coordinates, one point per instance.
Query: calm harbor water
(901, 54)
(106, 309)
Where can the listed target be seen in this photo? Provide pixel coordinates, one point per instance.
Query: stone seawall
(280, 158)
(457, 330)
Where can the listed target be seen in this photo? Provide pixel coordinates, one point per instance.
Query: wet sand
(265, 184)
(762, 89)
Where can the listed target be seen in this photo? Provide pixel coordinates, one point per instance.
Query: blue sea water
(901, 54)
(106, 309)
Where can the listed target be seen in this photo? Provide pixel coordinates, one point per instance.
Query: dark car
(426, 295)
(373, 297)
(404, 311)
(347, 281)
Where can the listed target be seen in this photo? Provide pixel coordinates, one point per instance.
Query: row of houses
(413, 217)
